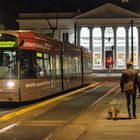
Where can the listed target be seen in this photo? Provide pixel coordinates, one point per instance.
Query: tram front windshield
(8, 65)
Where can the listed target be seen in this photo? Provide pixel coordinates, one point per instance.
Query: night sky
(13, 7)
(60, 5)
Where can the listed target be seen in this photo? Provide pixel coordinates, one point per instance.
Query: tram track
(6, 128)
(43, 103)
(66, 122)
(82, 112)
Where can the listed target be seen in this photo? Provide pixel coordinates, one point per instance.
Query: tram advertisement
(109, 59)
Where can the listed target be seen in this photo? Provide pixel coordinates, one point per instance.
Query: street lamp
(132, 48)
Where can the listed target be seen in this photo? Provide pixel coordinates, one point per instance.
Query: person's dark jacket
(130, 74)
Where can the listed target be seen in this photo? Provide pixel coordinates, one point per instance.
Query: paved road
(51, 118)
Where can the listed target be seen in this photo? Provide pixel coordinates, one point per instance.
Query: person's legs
(134, 104)
(128, 104)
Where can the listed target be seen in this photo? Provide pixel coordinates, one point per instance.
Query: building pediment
(108, 11)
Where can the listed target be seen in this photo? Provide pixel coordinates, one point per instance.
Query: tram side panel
(45, 79)
(49, 78)
(43, 83)
(87, 66)
(27, 74)
(71, 66)
(9, 93)
(55, 69)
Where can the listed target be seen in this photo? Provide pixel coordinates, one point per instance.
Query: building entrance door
(109, 59)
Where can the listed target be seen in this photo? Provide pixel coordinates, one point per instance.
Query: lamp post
(75, 35)
(132, 47)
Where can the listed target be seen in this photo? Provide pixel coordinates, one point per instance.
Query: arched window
(84, 37)
(109, 38)
(97, 48)
(135, 46)
(120, 47)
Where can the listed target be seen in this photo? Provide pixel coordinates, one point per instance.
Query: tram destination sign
(7, 44)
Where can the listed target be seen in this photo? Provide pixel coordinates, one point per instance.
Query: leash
(119, 100)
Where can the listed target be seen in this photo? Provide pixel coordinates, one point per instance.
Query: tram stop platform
(94, 125)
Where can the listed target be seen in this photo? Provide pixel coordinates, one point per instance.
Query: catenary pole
(132, 47)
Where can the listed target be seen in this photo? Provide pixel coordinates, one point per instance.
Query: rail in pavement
(94, 125)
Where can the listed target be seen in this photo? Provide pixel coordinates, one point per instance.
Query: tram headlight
(10, 84)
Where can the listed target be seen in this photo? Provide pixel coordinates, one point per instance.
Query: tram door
(53, 71)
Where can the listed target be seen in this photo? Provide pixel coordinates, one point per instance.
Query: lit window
(65, 37)
(121, 47)
(97, 59)
(135, 46)
(97, 48)
(125, 1)
(84, 37)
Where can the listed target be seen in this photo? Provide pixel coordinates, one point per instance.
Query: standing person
(107, 62)
(128, 75)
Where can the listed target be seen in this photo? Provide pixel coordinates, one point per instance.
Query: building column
(78, 36)
(127, 45)
(114, 48)
(138, 47)
(103, 47)
(90, 39)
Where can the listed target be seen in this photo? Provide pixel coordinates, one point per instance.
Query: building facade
(108, 31)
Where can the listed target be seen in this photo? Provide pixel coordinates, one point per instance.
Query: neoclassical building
(107, 31)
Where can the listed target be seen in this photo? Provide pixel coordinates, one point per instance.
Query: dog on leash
(113, 113)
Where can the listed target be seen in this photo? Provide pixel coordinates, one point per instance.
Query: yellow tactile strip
(35, 106)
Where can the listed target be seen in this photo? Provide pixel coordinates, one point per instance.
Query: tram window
(40, 72)
(73, 66)
(40, 69)
(53, 71)
(85, 65)
(58, 72)
(70, 65)
(76, 64)
(28, 66)
(8, 65)
(46, 65)
(66, 70)
(79, 65)
(89, 65)
(46, 56)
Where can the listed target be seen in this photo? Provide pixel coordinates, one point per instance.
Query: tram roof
(25, 34)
